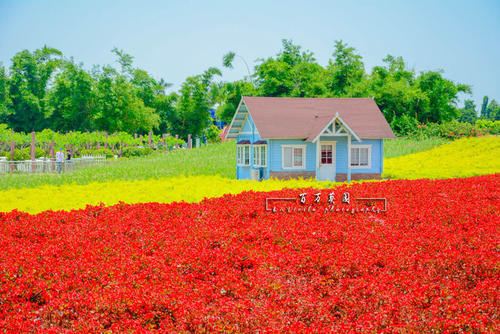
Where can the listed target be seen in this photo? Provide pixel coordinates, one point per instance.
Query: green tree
(5, 101)
(167, 112)
(490, 111)
(227, 61)
(484, 108)
(442, 95)
(162, 86)
(231, 93)
(392, 87)
(493, 111)
(345, 70)
(292, 73)
(468, 113)
(71, 100)
(118, 107)
(195, 100)
(30, 76)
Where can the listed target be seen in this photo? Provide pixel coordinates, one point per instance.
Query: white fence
(47, 165)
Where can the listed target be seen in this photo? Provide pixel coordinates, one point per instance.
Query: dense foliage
(430, 263)
(43, 89)
(405, 97)
(453, 129)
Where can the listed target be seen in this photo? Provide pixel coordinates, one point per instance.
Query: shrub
(213, 133)
(171, 141)
(102, 151)
(492, 127)
(450, 130)
(25, 154)
(404, 125)
(133, 151)
(455, 129)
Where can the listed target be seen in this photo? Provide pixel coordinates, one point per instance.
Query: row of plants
(127, 152)
(427, 264)
(114, 141)
(453, 129)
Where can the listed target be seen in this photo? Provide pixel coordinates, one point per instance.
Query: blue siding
(248, 125)
(274, 153)
(275, 162)
(376, 161)
(341, 154)
(244, 172)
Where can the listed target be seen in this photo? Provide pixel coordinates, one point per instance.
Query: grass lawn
(210, 160)
(403, 146)
(216, 159)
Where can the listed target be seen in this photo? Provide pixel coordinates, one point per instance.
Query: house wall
(274, 156)
(341, 155)
(276, 164)
(249, 132)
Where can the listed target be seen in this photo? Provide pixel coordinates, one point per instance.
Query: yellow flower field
(165, 190)
(461, 158)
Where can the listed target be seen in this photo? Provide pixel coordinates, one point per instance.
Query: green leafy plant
(492, 127)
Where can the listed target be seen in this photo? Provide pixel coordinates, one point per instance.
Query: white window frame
(303, 147)
(369, 147)
(240, 156)
(257, 154)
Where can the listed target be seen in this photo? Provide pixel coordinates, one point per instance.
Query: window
(243, 155)
(293, 156)
(326, 154)
(361, 156)
(260, 155)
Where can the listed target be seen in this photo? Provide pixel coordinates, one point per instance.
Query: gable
(336, 127)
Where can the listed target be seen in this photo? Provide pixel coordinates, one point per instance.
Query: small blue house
(335, 139)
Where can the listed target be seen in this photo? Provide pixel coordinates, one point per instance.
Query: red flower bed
(430, 262)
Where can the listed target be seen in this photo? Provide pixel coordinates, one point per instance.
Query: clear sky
(176, 39)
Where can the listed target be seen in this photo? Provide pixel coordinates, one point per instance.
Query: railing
(47, 165)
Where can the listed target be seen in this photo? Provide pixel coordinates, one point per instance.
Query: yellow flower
(164, 190)
(461, 158)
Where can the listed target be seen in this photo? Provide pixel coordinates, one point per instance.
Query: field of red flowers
(428, 263)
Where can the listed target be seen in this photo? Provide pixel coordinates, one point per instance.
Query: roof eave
(234, 135)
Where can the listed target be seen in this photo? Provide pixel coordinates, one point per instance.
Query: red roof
(290, 117)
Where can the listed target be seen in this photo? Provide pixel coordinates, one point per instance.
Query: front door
(326, 161)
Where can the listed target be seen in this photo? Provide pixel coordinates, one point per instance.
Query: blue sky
(176, 39)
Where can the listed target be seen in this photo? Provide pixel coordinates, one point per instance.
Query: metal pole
(33, 166)
(12, 148)
(52, 154)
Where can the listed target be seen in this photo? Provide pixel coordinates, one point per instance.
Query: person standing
(59, 160)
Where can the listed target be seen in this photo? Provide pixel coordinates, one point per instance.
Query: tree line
(43, 89)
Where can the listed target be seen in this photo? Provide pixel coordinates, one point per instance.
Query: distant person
(68, 155)
(59, 160)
